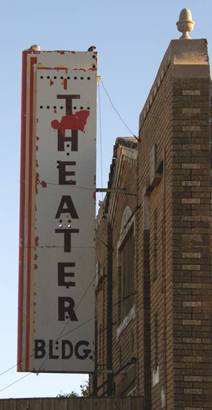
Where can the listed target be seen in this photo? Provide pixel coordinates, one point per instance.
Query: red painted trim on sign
(33, 61)
(65, 83)
(53, 68)
(75, 121)
(22, 210)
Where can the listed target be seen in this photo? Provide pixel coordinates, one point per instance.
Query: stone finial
(185, 23)
(35, 47)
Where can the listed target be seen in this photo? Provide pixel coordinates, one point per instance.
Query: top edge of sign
(61, 52)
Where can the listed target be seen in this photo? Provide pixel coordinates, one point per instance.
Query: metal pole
(109, 311)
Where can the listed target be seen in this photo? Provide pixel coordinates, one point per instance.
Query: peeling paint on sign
(57, 218)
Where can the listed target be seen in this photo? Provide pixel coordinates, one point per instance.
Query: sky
(131, 38)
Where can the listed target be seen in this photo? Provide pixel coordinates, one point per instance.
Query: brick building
(115, 293)
(154, 290)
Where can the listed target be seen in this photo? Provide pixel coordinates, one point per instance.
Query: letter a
(67, 206)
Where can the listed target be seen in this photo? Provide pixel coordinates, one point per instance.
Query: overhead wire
(101, 162)
(14, 366)
(64, 334)
(16, 381)
(117, 111)
(100, 133)
(76, 328)
(101, 166)
(61, 334)
(73, 186)
(8, 370)
(29, 374)
(77, 306)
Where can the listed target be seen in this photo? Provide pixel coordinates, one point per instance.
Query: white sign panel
(57, 219)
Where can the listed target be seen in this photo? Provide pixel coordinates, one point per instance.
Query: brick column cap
(178, 54)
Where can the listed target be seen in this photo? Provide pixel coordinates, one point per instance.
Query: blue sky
(131, 38)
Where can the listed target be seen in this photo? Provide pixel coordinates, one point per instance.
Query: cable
(65, 334)
(133, 360)
(100, 135)
(7, 370)
(29, 374)
(80, 300)
(86, 188)
(116, 110)
(16, 381)
(66, 324)
(77, 327)
(72, 186)
(77, 306)
(62, 334)
(13, 367)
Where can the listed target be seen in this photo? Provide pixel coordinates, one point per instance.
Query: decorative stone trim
(192, 322)
(192, 304)
(176, 54)
(191, 92)
(155, 376)
(191, 267)
(192, 359)
(192, 128)
(190, 183)
(190, 200)
(191, 110)
(125, 322)
(126, 224)
(191, 255)
(191, 166)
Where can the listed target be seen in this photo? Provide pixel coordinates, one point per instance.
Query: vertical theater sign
(57, 215)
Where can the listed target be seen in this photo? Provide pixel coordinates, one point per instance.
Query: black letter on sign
(39, 348)
(67, 207)
(63, 173)
(85, 352)
(68, 99)
(67, 349)
(51, 350)
(61, 139)
(67, 237)
(66, 305)
(61, 134)
(62, 274)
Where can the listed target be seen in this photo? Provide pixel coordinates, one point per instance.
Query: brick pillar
(175, 130)
(192, 274)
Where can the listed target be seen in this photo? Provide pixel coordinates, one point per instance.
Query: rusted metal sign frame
(57, 212)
